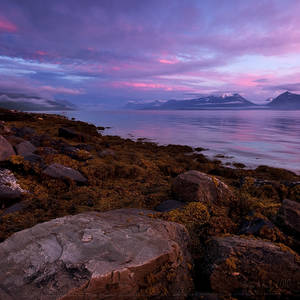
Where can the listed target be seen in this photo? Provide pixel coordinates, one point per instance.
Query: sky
(102, 54)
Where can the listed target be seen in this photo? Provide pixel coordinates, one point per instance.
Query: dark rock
(289, 215)
(169, 205)
(6, 149)
(46, 150)
(25, 148)
(4, 130)
(254, 226)
(17, 207)
(14, 140)
(69, 133)
(24, 131)
(251, 267)
(107, 152)
(60, 171)
(33, 158)
(10, 191)
(85, 147)
(109, 255)
(193, 186)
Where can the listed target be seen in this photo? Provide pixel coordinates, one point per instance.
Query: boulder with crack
(120, 253)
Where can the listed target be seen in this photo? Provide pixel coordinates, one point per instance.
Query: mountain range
(23, 102)
(286, 100)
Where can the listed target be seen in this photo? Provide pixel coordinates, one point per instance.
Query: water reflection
(252, 137)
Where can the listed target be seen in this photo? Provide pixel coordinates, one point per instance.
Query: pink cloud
(41, 53)
(7, 26)
(168, 61)
(61, 90)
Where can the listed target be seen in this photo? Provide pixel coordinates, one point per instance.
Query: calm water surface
(251, 137)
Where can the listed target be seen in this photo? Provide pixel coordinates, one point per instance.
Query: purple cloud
(112, 51)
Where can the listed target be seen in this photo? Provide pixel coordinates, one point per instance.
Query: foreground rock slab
(289, 215)
(6, 149)
(59, 171)
(112, 255)
(251, 267)
(194, 186)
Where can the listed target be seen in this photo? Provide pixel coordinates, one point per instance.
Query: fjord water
(252, 137)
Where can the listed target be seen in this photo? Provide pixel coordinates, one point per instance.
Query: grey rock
(169, 205)
(93, 255)
(6, 149)
(195, 186)
(10, 190)
(24, 131)
(25, 148)
(107, 152)
(245, 267)
(289, 215)
(17, 207)
(60, 171)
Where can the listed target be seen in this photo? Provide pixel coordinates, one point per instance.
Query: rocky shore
(89, 216)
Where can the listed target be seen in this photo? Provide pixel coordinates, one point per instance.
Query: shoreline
(242, 149)
(109, 173)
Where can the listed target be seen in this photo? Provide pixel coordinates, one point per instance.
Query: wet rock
(25, 148)
(10, 190)
(169, 205)
(97, 256)
(6, 149)
(251, 267)
(69, 133)
(289, 215)
(60, 171)
(193, 186)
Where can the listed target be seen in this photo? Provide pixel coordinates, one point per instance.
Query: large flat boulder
(251, 267)
(121, 253)
(6, 149)
(194, 186)
(289, 215)
(61, 172)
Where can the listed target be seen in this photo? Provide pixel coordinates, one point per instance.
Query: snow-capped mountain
(286, 100)
(25, 102)
(226, 100)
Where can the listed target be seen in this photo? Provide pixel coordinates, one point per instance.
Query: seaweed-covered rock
(169, 205)
(6, 149)
(93, 255)
(251, 267)
(10, 190)
(25, 148)
(193, 186)
(289, 215)
(24, 131)
(69, 133)
(60, 171)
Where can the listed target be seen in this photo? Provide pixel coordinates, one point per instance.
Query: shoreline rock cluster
(90, 216)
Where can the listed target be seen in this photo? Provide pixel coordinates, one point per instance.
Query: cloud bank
(108, 52)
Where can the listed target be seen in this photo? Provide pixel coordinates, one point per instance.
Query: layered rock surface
(120, 253)
(251, 267)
